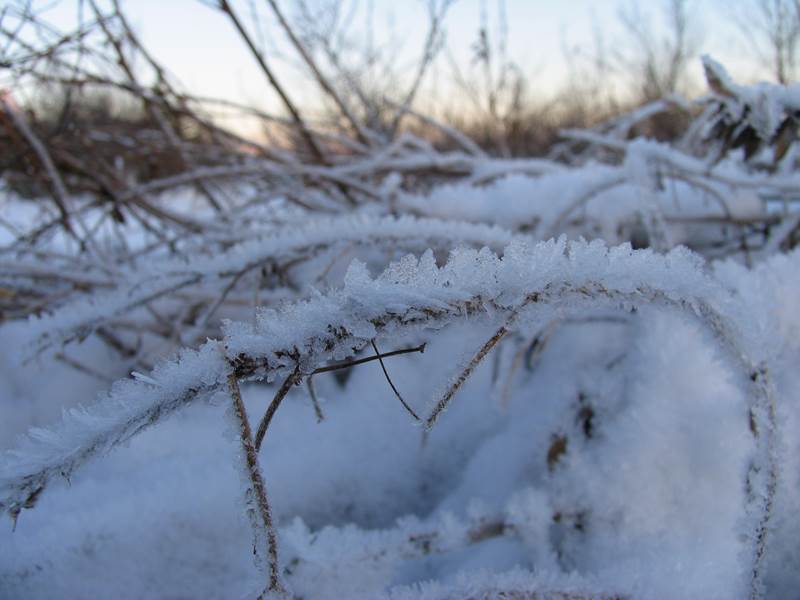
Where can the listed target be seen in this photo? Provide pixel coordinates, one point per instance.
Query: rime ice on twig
(79, 317)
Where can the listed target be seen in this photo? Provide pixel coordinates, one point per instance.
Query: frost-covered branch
(79, 318)
(751, 117)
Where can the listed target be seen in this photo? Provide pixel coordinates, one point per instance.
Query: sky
(201, 48)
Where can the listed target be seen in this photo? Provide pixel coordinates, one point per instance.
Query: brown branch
(225, 7)
(85, 369)
(260, 514)
(389, 379)
(361, 361)
(444, 401)
(168, 130)
(314, 400)
(59, 190)
(296, 376)
(326, 86)
(428, 55)
(292, 379)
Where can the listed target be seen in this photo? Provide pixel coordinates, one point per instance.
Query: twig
(358, 127)
(443, 402)
(225, 7)
(429, 52)
(79, 366)
(389, 379)
(259, 512)
(361, 361)
(314, 400)
(760, 377)
(528, 352)
(296, 376)
(60, 194)
(292, 379)
(169, 131)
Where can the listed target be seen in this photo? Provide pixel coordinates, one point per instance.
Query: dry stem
(260, 514)
(389, 379)
(444, 401)
(291, 380)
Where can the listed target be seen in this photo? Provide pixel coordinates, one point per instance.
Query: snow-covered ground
(612, 461)
(590, 420)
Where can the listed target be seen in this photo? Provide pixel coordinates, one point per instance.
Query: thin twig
(59, 190)
(430, 49)
(361, 361)
(296, 376)
(158, 116)
(225, 7)
(389, 379)
(444, 401)
(79, 366)
(260, 514)
(322, 80)
(290, 381)
(314, 400)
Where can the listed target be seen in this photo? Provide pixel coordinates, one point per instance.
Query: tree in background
(772, 28)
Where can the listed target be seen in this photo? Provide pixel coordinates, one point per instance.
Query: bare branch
(293, 379)
(389, 379)
(258, 509)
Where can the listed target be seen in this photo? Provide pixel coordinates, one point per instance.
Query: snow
(597, 420)
(765, 105)
(473, 289)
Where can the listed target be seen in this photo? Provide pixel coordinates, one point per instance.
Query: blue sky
(201, 48)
